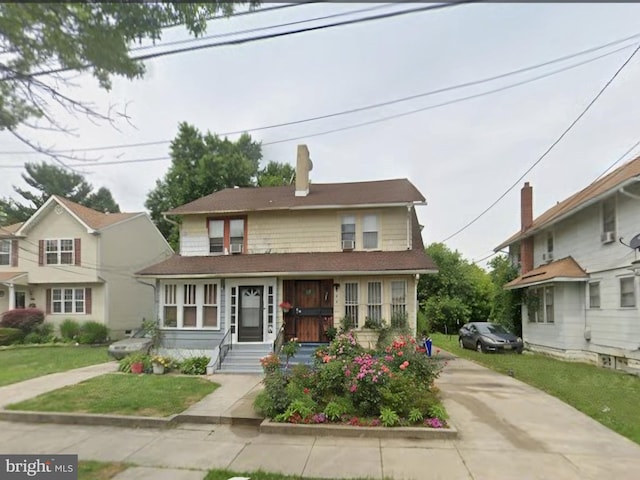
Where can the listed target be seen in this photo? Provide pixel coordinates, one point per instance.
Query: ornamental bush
(9, 336)
(69, 330)
(92, 333)
(26, 319)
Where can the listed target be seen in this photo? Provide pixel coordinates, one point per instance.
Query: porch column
(12, 296)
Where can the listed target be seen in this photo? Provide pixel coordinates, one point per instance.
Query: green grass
(124, 394)
(608, 396)
(90, 470)
(219, 474)
(23, 363)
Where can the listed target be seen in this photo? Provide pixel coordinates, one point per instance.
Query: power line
(559, 139)
(260, 29)
(376, 105)
(370, 122)
(241, 41)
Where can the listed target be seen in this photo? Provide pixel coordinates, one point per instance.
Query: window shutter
(76, 249)
(87, 301)
(48, 300)
(41, 252)
(14, 253)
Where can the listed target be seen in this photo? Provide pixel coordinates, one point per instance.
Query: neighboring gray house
(579, 280)
(328, 250)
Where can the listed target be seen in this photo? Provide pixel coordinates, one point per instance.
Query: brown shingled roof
(320, 194)
(10, 229)
(94, 219)
(620, 175)
(564, 268)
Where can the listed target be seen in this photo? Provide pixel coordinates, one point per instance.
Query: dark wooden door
(307, 296)
(250, 318)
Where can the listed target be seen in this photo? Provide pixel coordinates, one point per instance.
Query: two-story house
(74, 262)
(328, 250)
(580, 287)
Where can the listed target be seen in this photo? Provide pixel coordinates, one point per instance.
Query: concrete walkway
(506, 429)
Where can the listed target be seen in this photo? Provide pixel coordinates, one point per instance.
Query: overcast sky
(461, 156)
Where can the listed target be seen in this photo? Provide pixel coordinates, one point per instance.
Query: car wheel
(461, 343)
(479, 347)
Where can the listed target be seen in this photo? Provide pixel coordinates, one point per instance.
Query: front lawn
(23, 363)
(144, 395)
(608, 396)
(91, 470)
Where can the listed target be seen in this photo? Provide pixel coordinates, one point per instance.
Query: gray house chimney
(303, 167)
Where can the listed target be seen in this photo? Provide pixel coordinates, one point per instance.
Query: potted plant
(160, 364)
(137, 363)
(286, 306)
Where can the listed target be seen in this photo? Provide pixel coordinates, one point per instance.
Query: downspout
(409, 232)
(156, 299)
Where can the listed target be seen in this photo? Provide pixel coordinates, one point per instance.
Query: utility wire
(241, 41)
(558, 140)
(370, 122)
(377, 105)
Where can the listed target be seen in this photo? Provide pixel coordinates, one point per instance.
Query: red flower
(306, 390)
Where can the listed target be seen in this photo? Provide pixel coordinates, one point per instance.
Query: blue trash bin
(427, 345)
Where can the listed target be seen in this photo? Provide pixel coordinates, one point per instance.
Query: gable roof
(327, 195)
(565, 269)
(89, 218)
(627, 173)
(414, 260)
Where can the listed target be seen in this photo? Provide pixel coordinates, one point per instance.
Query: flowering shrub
(391, 386)
(166, 362)
(291, 348)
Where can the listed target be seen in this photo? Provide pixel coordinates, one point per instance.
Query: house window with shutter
(5, 252)
(69, 300)
(62, 251)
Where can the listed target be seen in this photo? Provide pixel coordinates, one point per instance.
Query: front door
(307, 296)
(20, 298)
(250, 318)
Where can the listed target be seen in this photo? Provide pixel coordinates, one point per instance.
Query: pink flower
(326, 359)
(388, 358)
(403, 366)
(353, 388)
(400, 353)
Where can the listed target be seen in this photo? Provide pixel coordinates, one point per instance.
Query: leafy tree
(460, 292)
(46, 180)
(506, 308)
(275, 174)
(39, 41)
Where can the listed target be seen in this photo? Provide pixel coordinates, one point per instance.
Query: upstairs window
(226, 235)
(609, 215)
(5, 252)
(348, 229)
(236, 235)
(216, 236)
(370, 231)
(550, 243)
(59, 251)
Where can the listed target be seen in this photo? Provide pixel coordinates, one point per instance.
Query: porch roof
(566, 270)
(9, 276)
(404, 261)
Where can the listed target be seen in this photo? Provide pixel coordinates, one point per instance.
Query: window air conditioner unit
(348, 244)
(608, 237)
(547, 257)
(236, 248)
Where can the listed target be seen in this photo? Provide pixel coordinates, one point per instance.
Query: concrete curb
(267, 426)
(95, 419)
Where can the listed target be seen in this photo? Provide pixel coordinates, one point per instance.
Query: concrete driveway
(508, 430)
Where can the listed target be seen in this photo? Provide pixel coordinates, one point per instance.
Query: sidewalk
(507, 430)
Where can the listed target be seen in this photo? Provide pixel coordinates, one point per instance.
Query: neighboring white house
(74, 262)
(580, 289)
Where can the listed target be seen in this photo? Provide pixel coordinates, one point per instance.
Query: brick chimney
(303, 167)
(526, 221)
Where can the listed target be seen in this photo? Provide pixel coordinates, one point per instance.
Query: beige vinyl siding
(126, 248)
(52, 225)
(301, 231)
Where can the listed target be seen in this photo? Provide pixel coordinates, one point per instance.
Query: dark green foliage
(9, 336)
(273, 399)
(346, 324)
(124, 365)
(26, 319)
(195, 365)
(93, 333)
(43, 333)
(69, 329)
(276, 174)
(506, 308)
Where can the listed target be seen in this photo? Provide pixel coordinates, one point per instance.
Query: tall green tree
(275, 174)
(93, 36)
(507, 304)
(460, 292)
(45, 180)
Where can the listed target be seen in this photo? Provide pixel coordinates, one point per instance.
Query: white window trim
(7, 254)
(58, 251)
(73, 301)
(635, 293)
(377, 231)
(381, 304)
(199, 305)
(406, 297)
(614, 201)
(599, 283)
(542, 307)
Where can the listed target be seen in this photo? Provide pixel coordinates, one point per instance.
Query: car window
(141, 334)
(491, 328)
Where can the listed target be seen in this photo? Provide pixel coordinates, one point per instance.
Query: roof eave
(548, 280)
(336, 273)
(33, 218)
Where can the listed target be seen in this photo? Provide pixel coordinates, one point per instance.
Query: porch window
(67, 300)
(59, 251)
(594, 295)
(374, 302)
(398, 299)
(370, 231)
(170, 306)
(5, 252)
(348, 232)
(627, 292)
(210, 307)
(540, 305)
(548, 305)
(190, 308)
(351, 302)
(216, 236)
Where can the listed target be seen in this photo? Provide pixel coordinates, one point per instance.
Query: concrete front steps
(245, 358)
(305, 354)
